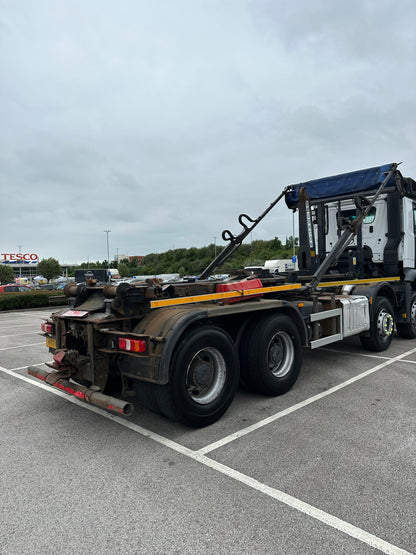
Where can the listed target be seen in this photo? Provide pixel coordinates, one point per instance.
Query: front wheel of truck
(204, 375)
(381, 330)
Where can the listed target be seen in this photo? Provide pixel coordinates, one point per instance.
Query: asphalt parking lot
(327, 468)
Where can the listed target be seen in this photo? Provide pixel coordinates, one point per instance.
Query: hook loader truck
(181, 348)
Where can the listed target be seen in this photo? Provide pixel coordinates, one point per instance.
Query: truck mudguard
(165, 326)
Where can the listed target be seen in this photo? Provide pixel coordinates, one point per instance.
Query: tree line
(183, 261)
(192, 261)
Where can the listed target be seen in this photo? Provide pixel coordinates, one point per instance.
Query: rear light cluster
(46, 328)
(132, 345)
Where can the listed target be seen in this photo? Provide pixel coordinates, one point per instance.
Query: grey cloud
(164, 121)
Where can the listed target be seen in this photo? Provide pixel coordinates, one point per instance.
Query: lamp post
(107, 231)
(20, 263)
(215, 247)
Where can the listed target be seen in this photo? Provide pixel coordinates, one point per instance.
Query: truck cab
(385, 241)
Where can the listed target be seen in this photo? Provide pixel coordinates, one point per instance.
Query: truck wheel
(381, 326)
(271, 355)
(408, 329)
(204, 376)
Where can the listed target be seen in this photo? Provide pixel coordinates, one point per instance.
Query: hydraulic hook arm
(235, 241)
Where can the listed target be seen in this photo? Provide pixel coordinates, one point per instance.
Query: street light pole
(215, 247)
(20, 262)
(107, 231)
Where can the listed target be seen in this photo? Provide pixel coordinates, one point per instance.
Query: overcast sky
(163, 120)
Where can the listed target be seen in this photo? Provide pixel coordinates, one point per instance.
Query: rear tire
(408, 330)
(204, 375)
(271, 355)
(381, 326)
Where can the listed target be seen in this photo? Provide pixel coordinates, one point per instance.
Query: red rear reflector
(134, 345)
(47, 328)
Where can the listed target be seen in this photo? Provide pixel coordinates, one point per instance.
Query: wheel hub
(385, 323)
(275, 354)
(280, 354)
(202, 375)
(206, 376)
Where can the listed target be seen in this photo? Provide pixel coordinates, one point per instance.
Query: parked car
(47, 286)
(14, 288)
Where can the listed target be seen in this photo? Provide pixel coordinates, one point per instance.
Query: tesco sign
(19, 256)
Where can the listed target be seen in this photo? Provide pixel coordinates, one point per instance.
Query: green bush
(13, 301)
(6, 274)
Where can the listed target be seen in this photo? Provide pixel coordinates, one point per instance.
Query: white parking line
(281, 496)
(363, 355)
(19, 334)
(18, 326)
(17, 316)
(24, 315)
(21, 346)
(274, 417)
(25, 368)
(409, 361)
(358, 353)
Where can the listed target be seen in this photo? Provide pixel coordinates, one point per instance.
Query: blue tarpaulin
(340, 185)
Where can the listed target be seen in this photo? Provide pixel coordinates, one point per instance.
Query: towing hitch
(86, 394)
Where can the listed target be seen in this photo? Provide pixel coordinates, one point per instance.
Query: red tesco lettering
(18, 256)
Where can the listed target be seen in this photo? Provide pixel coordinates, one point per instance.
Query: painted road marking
(297, 504)
(362, 354)
(18, 326)
(20, 334)
(328, 350)
(293, 408)
(21, 346)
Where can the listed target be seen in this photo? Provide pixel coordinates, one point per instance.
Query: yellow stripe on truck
(225, 295)
(356, 281)
(260, 290)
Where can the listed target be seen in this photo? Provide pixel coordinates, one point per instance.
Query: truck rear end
(88, 337)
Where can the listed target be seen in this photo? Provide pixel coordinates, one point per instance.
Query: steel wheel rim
(206, 376)
(280, 354)
(413, 314)
(385, 323)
